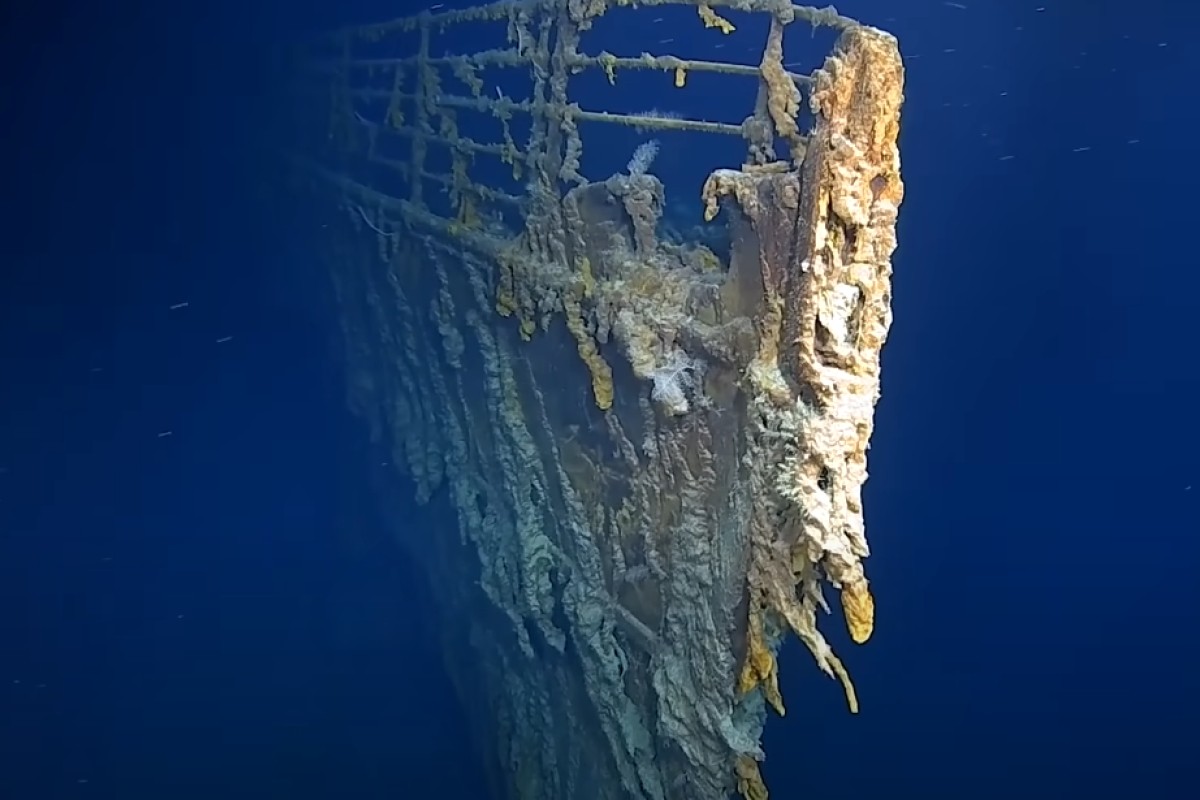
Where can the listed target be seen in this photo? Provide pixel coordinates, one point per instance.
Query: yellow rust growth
(587, 280)
(713, 20)
(602, 381)
(859, 608)
(506, 297)
(743, 187)
(506, 304)
(839, 672)
(707, 260)
(750, 783)
(783, 97)
(608, 63)
(760, 670)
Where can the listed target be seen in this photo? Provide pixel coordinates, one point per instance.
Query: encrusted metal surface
(655, 448)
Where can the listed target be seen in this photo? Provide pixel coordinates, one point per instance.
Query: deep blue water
(218, 613)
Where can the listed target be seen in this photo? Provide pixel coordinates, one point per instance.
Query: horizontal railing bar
(501, 57)
(659, 123)
(510, 58)
(646, 122)
(444, 179)
(504, 9)
(402, 208)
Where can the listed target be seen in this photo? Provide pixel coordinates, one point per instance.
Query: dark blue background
(217, 613)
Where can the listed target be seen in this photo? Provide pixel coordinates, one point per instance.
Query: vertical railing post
(425, 79)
